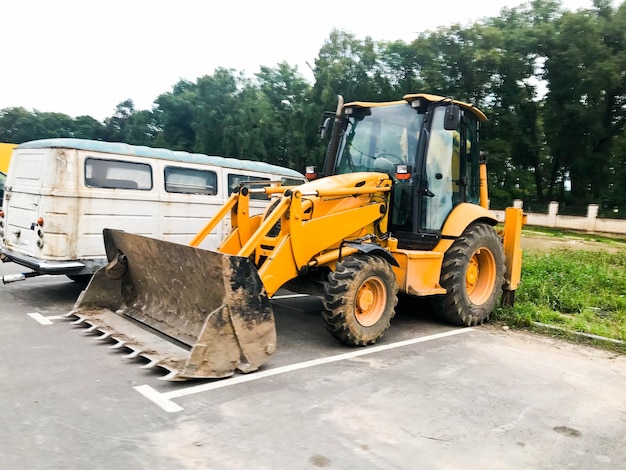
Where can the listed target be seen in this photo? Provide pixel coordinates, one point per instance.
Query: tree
(86, 127)
(214, 105)
(288, 95)
(174, 115)
(18, 125)
(349, 67)
(585, 110)
(516, 109)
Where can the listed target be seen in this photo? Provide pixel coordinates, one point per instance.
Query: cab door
(440, 189)
(445, 177)
(450, 172)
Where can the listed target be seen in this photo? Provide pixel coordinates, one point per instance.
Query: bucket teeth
(219, 324)
(135, 353)
(152, 363)
(172, 376)
(105, 334)
(91, 329)
(119, 344)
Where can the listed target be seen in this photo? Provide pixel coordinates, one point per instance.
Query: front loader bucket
(196, 313)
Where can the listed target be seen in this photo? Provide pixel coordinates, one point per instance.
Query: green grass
(579, 291)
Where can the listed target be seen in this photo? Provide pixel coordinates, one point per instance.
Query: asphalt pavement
(427, 396)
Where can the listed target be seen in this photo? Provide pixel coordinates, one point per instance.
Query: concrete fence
(589, 223)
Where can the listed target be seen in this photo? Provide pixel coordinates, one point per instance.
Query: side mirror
(452, 118)
(324, 128)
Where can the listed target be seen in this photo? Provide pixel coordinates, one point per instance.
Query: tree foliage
(551, 81)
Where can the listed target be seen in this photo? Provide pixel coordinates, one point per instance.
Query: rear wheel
(80, 278)
(472, 274)
(359, 299)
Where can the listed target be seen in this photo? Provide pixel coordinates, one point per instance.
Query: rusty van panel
(104, 210)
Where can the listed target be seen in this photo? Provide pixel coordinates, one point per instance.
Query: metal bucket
(194, 312)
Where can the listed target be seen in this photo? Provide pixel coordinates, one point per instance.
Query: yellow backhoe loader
(400, 207)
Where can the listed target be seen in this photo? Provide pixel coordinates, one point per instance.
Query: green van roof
(160, 153)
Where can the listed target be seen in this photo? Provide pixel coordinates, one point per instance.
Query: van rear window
(115, 174)
(190, 181)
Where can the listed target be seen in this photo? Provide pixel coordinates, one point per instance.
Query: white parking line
(38, 317)
(164, 400)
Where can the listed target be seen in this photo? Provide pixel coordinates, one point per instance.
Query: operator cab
(428, 145)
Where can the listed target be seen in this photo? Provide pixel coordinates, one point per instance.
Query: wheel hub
(472, 274)
(370, 301)
(480, 276)
(365, 300)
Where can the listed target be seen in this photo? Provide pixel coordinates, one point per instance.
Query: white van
(61, 193)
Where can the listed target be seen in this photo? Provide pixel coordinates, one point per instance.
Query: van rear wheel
(80, 278)
(359, 299)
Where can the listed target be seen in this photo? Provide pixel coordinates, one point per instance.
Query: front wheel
(472, 274)
(359, 299)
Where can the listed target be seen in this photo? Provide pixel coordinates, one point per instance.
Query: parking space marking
(39, 318)
(164, 400)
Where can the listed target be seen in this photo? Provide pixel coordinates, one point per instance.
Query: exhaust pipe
(9, 278)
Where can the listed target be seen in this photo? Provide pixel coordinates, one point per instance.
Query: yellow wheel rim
(371, 299)
(480, 276)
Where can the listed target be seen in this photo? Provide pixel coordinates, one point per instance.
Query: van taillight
(40, 221)
(2, 214)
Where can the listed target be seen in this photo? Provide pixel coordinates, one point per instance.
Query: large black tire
(82, 279)
(360, 297)
(472, 274)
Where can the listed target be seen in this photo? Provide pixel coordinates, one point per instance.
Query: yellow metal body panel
(484, 194)
(463, 215)
(5, 156)
(512, 234)
(419, 272)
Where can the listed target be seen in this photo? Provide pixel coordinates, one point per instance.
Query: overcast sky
(83, 57)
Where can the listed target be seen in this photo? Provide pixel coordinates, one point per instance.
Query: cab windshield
(378, 138)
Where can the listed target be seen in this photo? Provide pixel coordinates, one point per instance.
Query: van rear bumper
(74, 267)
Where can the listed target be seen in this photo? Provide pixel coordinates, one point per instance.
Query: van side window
(190, 181)
(292, 182)
(235, 180)
(115, 174)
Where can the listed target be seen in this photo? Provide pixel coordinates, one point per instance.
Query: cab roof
(421, 96)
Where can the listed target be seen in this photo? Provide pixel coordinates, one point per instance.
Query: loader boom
(305, 240)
